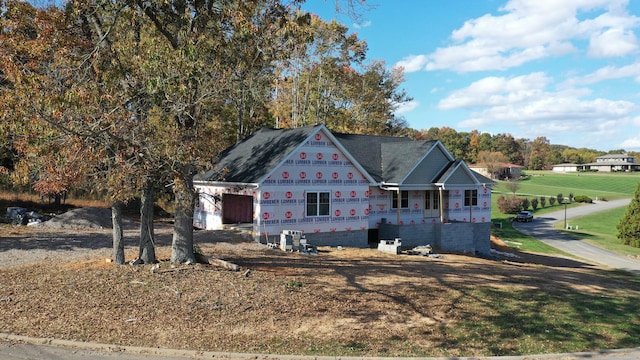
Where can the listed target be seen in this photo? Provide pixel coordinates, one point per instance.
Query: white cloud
(626, 139)
(631, 143)
(412, 63)
(491, 91)
(606, 73)
(612, 43)
(524, 103)
(406, 107)
(362, 25)
(535, 29)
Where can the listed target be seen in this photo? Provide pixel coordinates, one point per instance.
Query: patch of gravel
(77, 233)
(83, 218)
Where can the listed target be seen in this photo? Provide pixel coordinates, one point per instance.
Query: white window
(404, 200)
(318, 203)
(470, 197)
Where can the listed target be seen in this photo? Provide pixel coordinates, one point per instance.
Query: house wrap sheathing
(347, 190)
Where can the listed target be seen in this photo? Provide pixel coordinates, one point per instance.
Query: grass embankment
(599, 229)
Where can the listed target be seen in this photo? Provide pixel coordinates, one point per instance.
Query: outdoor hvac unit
(290, 239)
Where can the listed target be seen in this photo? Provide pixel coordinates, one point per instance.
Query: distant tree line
(536, 154)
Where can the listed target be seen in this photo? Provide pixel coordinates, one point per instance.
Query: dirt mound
(82, 218)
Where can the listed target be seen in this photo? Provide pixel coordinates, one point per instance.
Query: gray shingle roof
(386, 158)
(367, 150)
(253, 158)
(398, 159)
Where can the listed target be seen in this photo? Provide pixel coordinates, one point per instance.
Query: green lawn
(599, 229)
(610, 186)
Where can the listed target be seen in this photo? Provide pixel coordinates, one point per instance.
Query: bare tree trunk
(118, 239)
(182, 245)
(147, 251)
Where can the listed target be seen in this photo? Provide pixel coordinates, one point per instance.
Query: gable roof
(253, 158)
(457, 170)
(399, 159)
(383, 159)
(367, 150)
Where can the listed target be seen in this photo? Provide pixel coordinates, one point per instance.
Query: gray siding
(430, 167)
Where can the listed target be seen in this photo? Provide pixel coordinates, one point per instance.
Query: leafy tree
(374, 95)
(76, 119)
(525, 204)
(629, 225)
(456, 143)
(554, 157)
(571, 156)
(513, 186)
(494, 161)
(192, 83)
(509, 147)
(325, 80)
(540, 151)
(552, 201)
(321, 56)
(252, 57)
(560, 198)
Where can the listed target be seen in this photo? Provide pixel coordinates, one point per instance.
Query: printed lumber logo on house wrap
(319, 141)
(267, 199)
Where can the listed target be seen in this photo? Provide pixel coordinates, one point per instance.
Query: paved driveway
(542, 229)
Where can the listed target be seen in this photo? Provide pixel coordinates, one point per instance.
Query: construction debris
(22, 216)
(390, 246)
(423, 250)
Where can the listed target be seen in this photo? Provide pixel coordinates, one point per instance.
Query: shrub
(552, 201)
(534, 204)
(525, 204)
(571, 197)
(509, 205)
(543, 201)
(583, 199)
(560, 198)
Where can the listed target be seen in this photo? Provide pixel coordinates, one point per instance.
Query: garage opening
(237, 209)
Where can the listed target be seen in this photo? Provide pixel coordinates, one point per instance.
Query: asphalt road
(542, 229)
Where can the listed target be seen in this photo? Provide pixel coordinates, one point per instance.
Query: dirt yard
(56, 282)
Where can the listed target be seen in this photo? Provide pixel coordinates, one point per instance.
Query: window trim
(429, 203)
(318, 204)
(471, 197)
(404, 200)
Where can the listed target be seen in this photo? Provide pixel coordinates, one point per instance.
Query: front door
(431, 204)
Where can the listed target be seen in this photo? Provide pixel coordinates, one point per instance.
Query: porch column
(441, 207)
(398, 205)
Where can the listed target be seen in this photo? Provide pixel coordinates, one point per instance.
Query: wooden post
(441, 205)
(398, 205)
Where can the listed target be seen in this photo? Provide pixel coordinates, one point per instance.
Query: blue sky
(568, 70)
